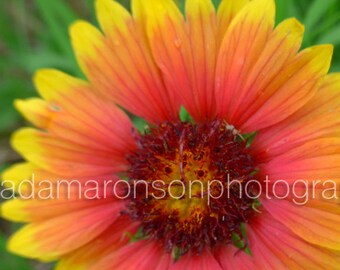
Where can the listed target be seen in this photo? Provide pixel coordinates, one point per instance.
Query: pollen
(190, 185)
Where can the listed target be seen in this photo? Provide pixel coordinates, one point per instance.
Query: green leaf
(46, 59)
(184, 115)
(10, 90)
(216, 3)
(56, 23)
(241, 241)
(3, 167)
(287, 9)
(335, 67)
(332, 36)
(176, 253)
(125, 3)
(9, 261)
(181, 4)
(140, 124)
(249, 137)
(316, 12)
(58, 16)
(139, 235)
(281, 10)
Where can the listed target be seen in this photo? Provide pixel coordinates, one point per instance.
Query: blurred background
(34, 34)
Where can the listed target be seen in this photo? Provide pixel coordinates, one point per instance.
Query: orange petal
(313, 225)
(16, 174)
(52, 238)
(187, 69)
(35, 110)
(227, 11)
(201, 22)
(243, 43)
(119, 64)
(317, 119)
(275, 247)
(314, 160)
(294, 86)
(204, 261)
(39, 209)
(68, 157)
(142, 255)
(114, 238)
(103, 133)
(281, 47)
(231, 258)
(101, 124)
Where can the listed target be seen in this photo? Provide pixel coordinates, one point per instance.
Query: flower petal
(242, 44)
(204, 261)
(111, 240)
(259, 79)
(231, 258)
(41, 195)
(201, 21)
(295, 85)
(101, 122)
(281, 47)
(141, 255)
(227, 11)
(36, 110)
(69, 158)
(130, 78)
(185, 67)
(275, 247)
(319, 118)
(313, 225)
(52, 238)
(27, 179)
(14, 176)
(100, 138)
(315, 160)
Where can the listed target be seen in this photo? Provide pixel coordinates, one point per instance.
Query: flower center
(191, 185)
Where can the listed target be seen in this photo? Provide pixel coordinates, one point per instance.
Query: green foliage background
(34, 34)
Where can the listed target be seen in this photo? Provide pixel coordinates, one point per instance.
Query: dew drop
(178, 42)
(218, 82)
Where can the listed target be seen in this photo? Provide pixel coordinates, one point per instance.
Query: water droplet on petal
(178, 42)
(218, 82)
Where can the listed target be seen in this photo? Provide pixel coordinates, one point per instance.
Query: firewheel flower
(259, 108)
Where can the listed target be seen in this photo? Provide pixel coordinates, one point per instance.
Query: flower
(260, 108)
